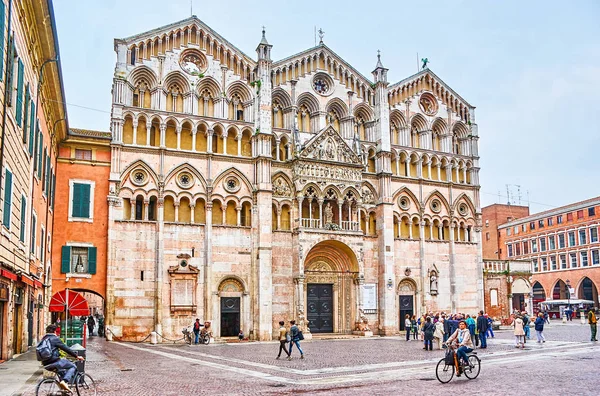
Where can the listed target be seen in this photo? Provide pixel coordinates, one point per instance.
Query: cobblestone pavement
(344, 367)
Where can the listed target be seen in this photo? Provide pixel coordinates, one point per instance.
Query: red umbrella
(76, 304)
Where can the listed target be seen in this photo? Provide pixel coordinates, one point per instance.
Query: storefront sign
(369, 292)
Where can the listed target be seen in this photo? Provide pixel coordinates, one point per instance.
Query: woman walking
(296, 336)
(283, 335)
(471, 325)
(519, 332)
(539, 328)
(407, 326)
(438, 334)
(413, 326)
(428, 330)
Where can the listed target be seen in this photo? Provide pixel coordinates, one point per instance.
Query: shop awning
(9, 275)
(26, 280)
(76, 304)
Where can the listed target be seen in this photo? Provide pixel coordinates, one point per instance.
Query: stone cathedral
(246, 190)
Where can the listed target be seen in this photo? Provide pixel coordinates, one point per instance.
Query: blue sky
(532, 69)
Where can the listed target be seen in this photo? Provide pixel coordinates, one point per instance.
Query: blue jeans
(462, 351)
(297, 342)
(483, 340)
(527, 330)
(490, 331)
(196, 334)
(63, 364)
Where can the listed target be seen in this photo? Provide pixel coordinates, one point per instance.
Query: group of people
(521, 324)
(92, 322)
(441, 326)
(293, 336)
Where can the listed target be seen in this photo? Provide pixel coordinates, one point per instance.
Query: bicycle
(444, 371)
(84, 385)
(188, 336)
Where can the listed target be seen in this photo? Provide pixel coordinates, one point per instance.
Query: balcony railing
(350, 226)
(311, 223)
(318, 224)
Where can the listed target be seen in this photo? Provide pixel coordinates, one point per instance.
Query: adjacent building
(562, 245)
(245, 190)
(34, 119)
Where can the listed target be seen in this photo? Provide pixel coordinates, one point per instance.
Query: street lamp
(568, 282)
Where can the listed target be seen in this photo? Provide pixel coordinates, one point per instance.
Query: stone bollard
(153, 338)
(582, 318)
(109, 335)
(565, 318)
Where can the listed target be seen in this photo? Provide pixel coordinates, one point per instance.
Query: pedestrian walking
(414, 326)
(284, 338)
(526, 326)
(296, 336)
(546, 317)
(471, 326)
(482, 328)
(446, 329)
(90, 324)
(539, 328)
(438, 334)
(407, 326)
(519, 332)
(428, 330)
(593, 321)
(196, 330)
(490, 326)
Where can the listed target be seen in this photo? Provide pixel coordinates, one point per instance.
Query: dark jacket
(447, 326)
(294, 333)
(56, 345)
(428, 330)
(539, 324)
(482, 324)
(453, 325)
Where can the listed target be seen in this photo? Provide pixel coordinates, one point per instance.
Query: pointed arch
(210, 84)
(466, 199)
(460, 130)
(241, 89)
(176, 78)
(406, 191)
(143, 74)
(440, 196)
(419, 122)
(397, 118)
(337, 105)
(281, 96)
(233, 171)
(139, 164)
(186, 166)
(364, 111)
(309, 100)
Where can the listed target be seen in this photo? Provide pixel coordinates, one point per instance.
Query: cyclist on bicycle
(55, 363)
(462, 338)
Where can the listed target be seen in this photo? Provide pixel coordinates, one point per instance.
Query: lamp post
(568, 282)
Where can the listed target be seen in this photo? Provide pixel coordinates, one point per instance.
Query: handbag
(300, 335)
(449, 358)
(287, 337)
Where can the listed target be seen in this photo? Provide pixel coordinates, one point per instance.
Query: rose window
(404, 203)
(231, 184)
(139, 177)
(436, 206)
(321, 86)
(185, 180)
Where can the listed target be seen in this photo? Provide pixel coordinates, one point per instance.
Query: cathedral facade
(244, 191)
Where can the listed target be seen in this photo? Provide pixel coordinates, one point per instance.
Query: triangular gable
(433, 76)
(193, 20)
(326, 50)
(328, 145)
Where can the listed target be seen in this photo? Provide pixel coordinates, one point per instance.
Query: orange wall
(96, 232)
(493, 216)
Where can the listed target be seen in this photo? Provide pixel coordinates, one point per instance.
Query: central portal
(331, 276)
(320, 307)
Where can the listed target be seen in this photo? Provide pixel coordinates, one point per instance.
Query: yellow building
(34, 118)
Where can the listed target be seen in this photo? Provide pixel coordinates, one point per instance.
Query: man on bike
(55, 363)
(462, 338)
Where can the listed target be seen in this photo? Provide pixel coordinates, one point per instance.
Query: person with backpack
(284, 338)
(296, 336)
(47, 353)
(526, 326)
(196, 330)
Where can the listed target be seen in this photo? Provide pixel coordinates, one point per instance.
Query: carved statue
(281, 188)
(328, 213)
(329, 153)
(425, 61)
(363, 323)
(433, 283)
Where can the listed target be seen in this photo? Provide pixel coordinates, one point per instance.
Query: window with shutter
(48, 174)
(65, 261)
(31, 128)
(92, 260)
(81, 201)
(19, 106)
(53, 189)
(7, 199)
(33, 229)
(44, 169)
(23, 211)
(2, 46)
(26, 115)
(39, 153)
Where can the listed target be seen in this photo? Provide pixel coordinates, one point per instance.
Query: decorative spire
(264, 38)
(379, 64)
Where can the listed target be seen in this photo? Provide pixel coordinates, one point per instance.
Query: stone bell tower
(262, 216)
(385, 210)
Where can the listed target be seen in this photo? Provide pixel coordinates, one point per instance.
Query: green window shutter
(53, 189)
(7, 199)
(23, 210)
(26, 116)
(85, 201)
(39, 153)
(33, 225)
(47, 177)
(31, 128)
(76, 203)
(2, 46)
(92, 260)
(19, 109)
(65, 262)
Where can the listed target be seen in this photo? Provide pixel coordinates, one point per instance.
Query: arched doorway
(520, 294)
(560, 290)
(587, 290)
(539, 295)
(406, 295)
(332, 288)
(233, 309)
